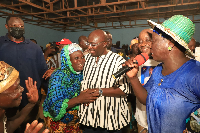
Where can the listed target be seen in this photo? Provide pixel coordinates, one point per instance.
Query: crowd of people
(70, 87)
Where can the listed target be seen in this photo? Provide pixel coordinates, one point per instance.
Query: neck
(173, 63)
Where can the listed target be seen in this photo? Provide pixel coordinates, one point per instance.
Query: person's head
(34, 41)
(15, 26)
(171, 38)
(134, 46)
(109, 39)
(145, 41)
(97, 43)
(82, 40)
(10, 89)
(62, 43)
(192, 45)
(75, 53)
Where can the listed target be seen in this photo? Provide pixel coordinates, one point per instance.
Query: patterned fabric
(64, 84)
(111, 113)
(172, 98)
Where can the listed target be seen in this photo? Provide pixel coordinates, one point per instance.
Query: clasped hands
(88, 96)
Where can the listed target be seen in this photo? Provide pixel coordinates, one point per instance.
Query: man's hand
(48, 73)
(34, 127)
(32, 94)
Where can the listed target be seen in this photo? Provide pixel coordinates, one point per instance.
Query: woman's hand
(88, 96)
(131, 63)
(48, 73)
(34, 127)
(32, 94)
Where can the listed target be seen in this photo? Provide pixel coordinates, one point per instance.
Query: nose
(21, 89)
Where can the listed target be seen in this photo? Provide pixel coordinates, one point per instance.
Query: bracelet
(100, 92)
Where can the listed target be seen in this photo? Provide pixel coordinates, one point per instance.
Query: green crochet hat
(180, 28)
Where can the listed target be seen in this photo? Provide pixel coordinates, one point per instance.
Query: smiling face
(77, 59)
(97, 43)
(145, 41)
(12, 96)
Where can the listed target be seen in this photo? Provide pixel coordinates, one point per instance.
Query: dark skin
(145, 41)
(12, 96)
(109, 39)
(14, 22)
(77, 59)
(34, 127)
(99, 37)
(172, 60)
(135, 50)
(192, 44)
(82, 42)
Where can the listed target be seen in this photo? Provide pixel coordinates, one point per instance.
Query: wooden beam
(110, 8)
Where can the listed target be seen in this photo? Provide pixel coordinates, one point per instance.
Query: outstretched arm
(32, 95)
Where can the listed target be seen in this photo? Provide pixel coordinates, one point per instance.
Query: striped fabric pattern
(106, 112)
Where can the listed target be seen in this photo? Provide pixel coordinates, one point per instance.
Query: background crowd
(69, 87)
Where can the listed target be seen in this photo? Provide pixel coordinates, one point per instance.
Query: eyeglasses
(93, 44)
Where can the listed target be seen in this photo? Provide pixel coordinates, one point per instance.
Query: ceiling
(83, 15)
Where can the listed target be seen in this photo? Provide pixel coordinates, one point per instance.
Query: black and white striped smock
(111, 113)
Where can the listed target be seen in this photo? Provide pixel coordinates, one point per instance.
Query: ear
(105, 44)
(170, 44)
(6, 26)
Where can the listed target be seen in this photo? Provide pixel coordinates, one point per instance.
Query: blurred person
(192, 45)
(49, 52)
(134, 48)
(82, 40)
(109, 113)
(144, 73)
(61, 105)
(172, 93)
(11, 96)
(30, 62)
(54, 61)
(33, 40)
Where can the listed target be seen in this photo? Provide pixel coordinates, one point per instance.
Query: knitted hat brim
(173, 35)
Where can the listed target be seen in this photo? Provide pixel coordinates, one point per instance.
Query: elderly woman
(173, 91)
(11, 96)
(63, 98)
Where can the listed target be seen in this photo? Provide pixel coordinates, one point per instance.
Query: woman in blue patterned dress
(63, 98)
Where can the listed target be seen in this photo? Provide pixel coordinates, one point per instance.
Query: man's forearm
(14, 122)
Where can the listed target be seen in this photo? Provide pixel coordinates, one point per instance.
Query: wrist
(100, 92)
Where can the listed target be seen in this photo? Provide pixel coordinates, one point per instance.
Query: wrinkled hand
(32, 94)
(48, 73)
(88, 96)
(133, 72)
(34, 127)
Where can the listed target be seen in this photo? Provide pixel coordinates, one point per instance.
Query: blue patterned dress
(64, 84)
(172, 98)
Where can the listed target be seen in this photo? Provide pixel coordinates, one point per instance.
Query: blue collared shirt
(26, 57)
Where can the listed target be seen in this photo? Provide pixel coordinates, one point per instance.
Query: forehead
(15, 20)
(96, 37)
(76, 53)
(144, 35)
(12, 88)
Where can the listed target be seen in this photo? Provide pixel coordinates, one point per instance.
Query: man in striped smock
(109, 113)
